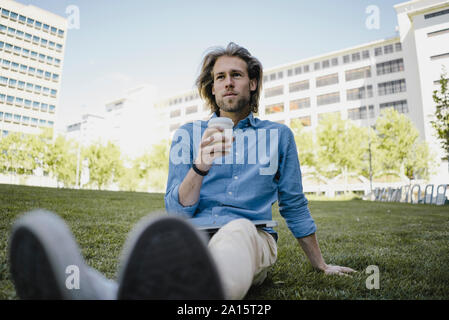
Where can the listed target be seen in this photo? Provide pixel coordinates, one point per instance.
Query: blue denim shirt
(262, 168)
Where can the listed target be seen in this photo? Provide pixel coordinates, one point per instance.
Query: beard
(235, 104)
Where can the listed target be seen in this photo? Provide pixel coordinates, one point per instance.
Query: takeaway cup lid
(225, 123)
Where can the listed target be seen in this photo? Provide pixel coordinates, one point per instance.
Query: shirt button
(230, 193)
(236, 177)
(236, 153)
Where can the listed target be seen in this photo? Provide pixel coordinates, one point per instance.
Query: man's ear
(253, 84)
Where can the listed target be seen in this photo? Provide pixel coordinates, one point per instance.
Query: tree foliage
(441, 123)
(105, 164)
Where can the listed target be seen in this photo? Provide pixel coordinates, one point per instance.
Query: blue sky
(121, 44)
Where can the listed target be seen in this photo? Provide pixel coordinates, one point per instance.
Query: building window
(327, 80)
(276, 91)
(437, 33)
(306, 68)
(397, 47)
(378, 51)
(280, 74)
(356, 57)
(52, 108)
(274, 108)
(346, 58)
(328, 98)
(365, 54)
(359, 93)
(298, 86)
(399, 106)
(359, 73)
(391, 87)
(305, 121)
(325, 64)
(430, 15)
(44, 107)
(272, 76)
(289, 72)
(300, 104)
(191, 109)
(361, 113)
(298, 70)
(390, 66)
(440, 56)
(174, 126)
(388, 49)
(334, 62)
(316, 66)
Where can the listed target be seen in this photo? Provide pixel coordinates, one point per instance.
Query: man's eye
(237, 75)
(219, 77)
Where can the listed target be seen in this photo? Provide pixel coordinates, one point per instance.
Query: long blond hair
(205, 80)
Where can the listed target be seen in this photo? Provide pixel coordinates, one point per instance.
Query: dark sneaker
(46, 262)
(166, 258)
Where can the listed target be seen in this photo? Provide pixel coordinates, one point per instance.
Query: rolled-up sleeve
(293, 205)
(180, 160)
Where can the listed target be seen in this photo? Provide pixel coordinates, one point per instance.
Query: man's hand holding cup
(215, 143)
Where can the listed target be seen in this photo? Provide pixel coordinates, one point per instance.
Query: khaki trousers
(243, 254)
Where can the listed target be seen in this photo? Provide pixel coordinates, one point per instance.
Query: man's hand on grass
(341, 271)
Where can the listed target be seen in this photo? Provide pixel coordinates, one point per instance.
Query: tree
(105, 164)
(157, 172)
(304, 144)
(342, 147)
(419, 162)
(14, 155)
(61, 159)
(441, 124)
(399, 149)
(397, 136)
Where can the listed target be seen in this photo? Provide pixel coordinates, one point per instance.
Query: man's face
(232, 85)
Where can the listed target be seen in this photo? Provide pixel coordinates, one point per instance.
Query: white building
(32, 44)
(133, 122)
(357, 83)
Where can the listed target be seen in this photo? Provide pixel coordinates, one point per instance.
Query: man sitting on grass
(222, 186)
(211, 182)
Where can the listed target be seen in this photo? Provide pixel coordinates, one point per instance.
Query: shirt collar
(249, 120)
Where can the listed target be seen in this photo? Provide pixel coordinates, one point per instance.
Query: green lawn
(409, 243)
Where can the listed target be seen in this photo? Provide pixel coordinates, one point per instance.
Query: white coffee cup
(223, 122)
(226, 123)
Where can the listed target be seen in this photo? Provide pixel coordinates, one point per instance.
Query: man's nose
(229, 82)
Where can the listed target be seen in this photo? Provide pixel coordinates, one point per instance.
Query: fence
(413, 194)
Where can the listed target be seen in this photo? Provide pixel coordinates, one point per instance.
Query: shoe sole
(40, 249)
(166, 258)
